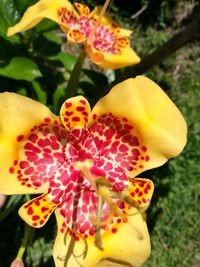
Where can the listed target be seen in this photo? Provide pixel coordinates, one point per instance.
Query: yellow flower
(106, 43)
(84, 164)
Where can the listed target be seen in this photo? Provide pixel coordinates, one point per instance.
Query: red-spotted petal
(37, 211)
(119, 144)
(19, 120)
(141, 191)
(41, 152)
(74, 112)
(135, 120)
(83, 10)
(75, 36)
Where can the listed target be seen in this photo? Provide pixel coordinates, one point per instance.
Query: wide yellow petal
(18, 115)
(129, 246)
(144, 105)
(42, 9)
(127, 57)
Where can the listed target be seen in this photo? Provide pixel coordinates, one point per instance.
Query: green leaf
(99, 79)
(8, 16)
(41, 95)
(21, 68)
(58, 98)
(67, 60)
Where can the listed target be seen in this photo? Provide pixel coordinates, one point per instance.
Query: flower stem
(27, 235)
(75, 75)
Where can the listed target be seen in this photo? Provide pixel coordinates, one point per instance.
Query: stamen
(98, 240)
(87, 174)
(102, 12)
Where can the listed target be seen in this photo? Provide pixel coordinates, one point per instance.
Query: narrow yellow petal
(83, 10)
(129, 244)
(37, 211)
(74, 112)
(141, 191)
(42, 9)
(75, 36)
(18, 115)
(144, 105)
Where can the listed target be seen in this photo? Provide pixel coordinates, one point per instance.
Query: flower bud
(2, 200)
(17, 263)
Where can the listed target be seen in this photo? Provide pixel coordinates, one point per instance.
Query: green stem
(27, 235)
(75, 75)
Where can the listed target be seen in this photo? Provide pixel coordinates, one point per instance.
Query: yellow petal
(113, 61)
(18, 114)
(107, 20)
(144, 105)
(42, 9)
(37, 211)
(129, 245)
(74, 112)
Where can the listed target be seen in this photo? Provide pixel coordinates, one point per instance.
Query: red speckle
(123, 148)
(76, 119)
(34, 224)
(80, 108)
(37, 203)
(83, 102)
(140, 194)
(29, 170)
(114, 230)
(41, 222)
(30, 211)
(35, 217)
(68, 113)
(94, 116)
(11, 170)
(132, 194)
(43, 209)
(47, 119)
(15, 162)
(148, 187)
(77, 238)
(68, 104)
(33, 138)
(144, 148)
(20, 137)
(147, 158)
(137, 190)
(144, 200)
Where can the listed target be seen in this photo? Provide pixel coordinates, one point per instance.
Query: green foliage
(173, 215)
